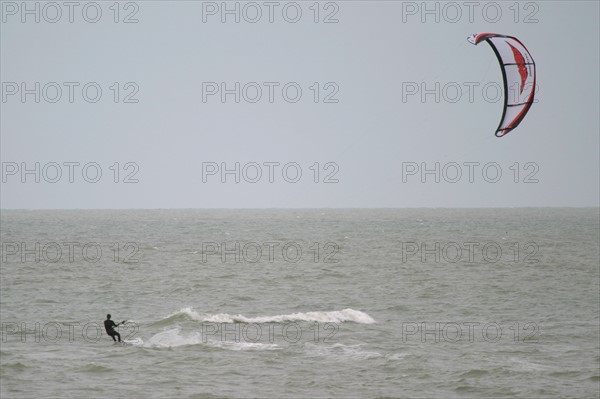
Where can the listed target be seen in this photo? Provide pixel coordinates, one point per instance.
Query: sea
(307, 303)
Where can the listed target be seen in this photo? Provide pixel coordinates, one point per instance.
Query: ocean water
(301, 303)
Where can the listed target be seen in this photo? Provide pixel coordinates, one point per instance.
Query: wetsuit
(108, 325)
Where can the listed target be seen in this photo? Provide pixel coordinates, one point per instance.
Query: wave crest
(336, 316)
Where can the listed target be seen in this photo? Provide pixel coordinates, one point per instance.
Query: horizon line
(311, 208)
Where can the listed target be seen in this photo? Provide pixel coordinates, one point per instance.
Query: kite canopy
(518, 72)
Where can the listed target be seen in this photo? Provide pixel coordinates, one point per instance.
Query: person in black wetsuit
(109, 326)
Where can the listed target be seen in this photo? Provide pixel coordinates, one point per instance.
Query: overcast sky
(331, 109)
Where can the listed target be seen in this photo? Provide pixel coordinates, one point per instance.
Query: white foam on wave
(189, 312)
(336, 316)
(174, 338)
(135, 341)
(242, 346)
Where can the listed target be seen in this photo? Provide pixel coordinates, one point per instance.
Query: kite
(518, 73)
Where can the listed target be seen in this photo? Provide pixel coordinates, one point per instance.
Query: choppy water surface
(301, 303)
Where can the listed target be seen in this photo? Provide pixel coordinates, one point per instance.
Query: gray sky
(363, 130)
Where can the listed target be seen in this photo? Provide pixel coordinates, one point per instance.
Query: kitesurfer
(109, 326)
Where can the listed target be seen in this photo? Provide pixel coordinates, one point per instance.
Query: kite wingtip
(502, 132)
